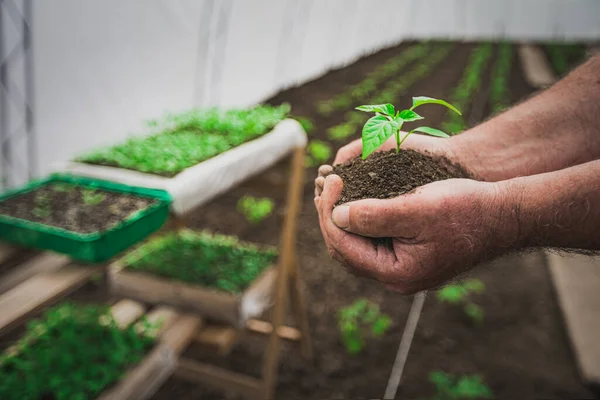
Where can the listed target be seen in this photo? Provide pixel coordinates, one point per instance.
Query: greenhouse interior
(299, 199)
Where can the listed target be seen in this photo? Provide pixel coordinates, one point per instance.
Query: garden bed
(72, 352)
(87, 219)
(214, 275)
(199, 154)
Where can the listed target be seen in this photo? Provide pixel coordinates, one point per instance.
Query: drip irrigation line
(405, 343)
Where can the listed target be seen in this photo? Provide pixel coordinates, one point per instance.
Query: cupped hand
(436, 233)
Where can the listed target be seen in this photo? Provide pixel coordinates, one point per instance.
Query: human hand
(438, 232)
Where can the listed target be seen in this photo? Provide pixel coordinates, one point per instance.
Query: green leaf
(475, 312)
(387, 109)
(375, 132)
(452, 294)
(409, 115)
(474, 285)
(430, 131)
(381, 325)
(420, 100)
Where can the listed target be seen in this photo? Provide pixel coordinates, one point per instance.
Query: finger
(348, 152)
(319, 182)
(353, 251)
(398, 217)
(325, 170)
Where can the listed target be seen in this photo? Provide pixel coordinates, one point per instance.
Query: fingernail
(341, 216)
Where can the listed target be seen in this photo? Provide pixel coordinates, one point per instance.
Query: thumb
(378, 218)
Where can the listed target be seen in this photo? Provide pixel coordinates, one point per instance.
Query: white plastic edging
(201, 183)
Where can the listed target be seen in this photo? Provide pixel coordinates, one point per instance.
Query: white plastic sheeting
(201, 183)
(103, 67)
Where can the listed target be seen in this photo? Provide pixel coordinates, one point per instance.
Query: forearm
(556, 129)
(558, 209)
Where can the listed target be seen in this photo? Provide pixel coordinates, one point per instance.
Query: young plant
(254, 209)
(387, 122)
(458, 294)
(43, 206)
(318, 153)
(359, 319)
(447, 387)
(92, 197)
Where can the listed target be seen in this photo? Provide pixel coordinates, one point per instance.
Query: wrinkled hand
(437, 232)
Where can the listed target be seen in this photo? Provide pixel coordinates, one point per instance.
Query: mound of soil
(384, 175)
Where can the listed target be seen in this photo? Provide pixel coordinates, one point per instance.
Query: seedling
(387, 122)
(92, 197)
(255, 209)
(73, 352)
(210, 260)
(358, 320)
(447, 387)
(341, 131)
(458, 294)
(318, 153)
(63, 187)
(307, 124)
(43, 207)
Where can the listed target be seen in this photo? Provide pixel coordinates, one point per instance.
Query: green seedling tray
(92, 247)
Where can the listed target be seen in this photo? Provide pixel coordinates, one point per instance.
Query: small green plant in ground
(341, 131)
(458, 294)
(63, 187)
(186, 139)
(499, 92)
(92, 197)
(73, 352)
(387, 122)
(469, 83)
(43, 206)
(307, 124)
(211, 260)
(359, 320)
(255, 209)
(448, 387)
(564, 56)
(318, 152)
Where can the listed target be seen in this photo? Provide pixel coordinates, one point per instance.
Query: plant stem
(401, 141)
(398, 142)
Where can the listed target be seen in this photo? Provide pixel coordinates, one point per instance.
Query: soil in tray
(74, 208)
(384, 175)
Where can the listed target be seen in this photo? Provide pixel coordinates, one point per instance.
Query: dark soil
(384, 175)
(74, 208)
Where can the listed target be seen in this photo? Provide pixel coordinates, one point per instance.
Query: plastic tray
(91, 247)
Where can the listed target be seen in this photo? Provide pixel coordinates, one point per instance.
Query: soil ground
(521, 351)
(74, 208)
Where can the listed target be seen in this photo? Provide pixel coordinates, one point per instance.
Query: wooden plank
(577, 282)
(265, 328)
(155, 290)
(143, 381)
(17, 304)
(163, 316)
(287, 260)
(44, 262)
(536, 67)
(178, 337)
(126, 312)
(219, 378)
(298, 306)
(218, 338)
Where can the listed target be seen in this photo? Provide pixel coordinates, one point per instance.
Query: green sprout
(306, 123)
(359, 319)
(201, 258)
(92, 197)
(448, 387)
(63, 187)
(42, 206)
(458, 294)
(255, 209)
(318, 153)
(387, 122)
